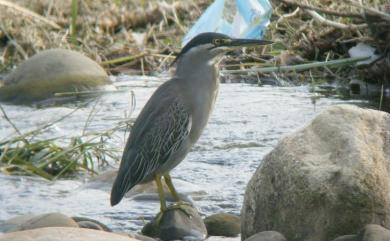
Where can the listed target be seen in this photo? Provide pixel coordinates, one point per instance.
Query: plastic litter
(363, 50)
(236, 18)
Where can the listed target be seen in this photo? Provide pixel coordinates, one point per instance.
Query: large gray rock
(49, 72)
(223, 224)
(26, 222)
(267, 236)
(373, 232)
(350, 237)
(63, 234)
(326, 180)
(176, 224)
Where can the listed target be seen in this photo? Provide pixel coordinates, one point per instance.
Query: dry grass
(344, 24)
(105, 29)
(142, 36)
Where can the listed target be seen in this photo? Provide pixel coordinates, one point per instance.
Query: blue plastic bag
(236, 18)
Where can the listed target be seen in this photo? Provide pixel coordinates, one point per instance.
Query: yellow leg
(172, 189)
(184, 207)
(163, 205)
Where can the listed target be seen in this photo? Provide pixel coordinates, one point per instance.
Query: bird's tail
(117, 191)
(123, 181)
(131, 172)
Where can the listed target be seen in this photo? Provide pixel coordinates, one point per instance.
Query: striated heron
(175, 116)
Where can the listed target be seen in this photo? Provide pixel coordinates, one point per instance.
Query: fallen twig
(289, 15)
(371, 11)
(322, 10)
(86, 93)
(323, 20)
(123, 59)
(298, 67)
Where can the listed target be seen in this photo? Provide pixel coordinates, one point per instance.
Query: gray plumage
(158, 134)
(162, 135)
(174, 117)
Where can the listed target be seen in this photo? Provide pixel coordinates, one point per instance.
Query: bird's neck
(199, 83)
(198, 73)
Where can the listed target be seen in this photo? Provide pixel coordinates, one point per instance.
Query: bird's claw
(182, 206)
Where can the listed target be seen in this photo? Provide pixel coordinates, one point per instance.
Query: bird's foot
(182, 206)
(185, 207)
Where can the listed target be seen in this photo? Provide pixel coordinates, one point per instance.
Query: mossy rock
(49, 72)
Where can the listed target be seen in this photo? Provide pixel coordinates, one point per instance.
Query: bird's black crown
(204, 38)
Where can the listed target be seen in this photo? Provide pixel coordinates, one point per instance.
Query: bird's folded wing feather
(158, 132)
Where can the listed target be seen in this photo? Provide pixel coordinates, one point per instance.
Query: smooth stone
(91, 224)
(326, 180)
(52, 71)
(13, 223)
(175, 224)
(26, 222)
(351, 237)
(151, 229)
(145, 191)
(223, 224)
(374, 232)
(267, 236)
(141, 237)
(63, 234)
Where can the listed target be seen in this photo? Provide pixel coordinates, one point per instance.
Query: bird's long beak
(237, 43)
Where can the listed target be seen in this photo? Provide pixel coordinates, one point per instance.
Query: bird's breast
(201, 110)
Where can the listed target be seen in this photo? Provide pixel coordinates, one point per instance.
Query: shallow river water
(246, 124)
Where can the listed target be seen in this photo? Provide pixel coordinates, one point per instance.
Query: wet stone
(90, 223)
(177, 224)
(26, 222)
(49, 72)
(223, 224)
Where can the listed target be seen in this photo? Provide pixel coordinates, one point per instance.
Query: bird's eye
(218, 41)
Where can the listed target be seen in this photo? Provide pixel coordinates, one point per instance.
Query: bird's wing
(158, 132)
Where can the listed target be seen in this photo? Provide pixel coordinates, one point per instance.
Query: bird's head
(208, 46)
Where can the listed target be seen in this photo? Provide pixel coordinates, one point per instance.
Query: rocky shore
(327, 181)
